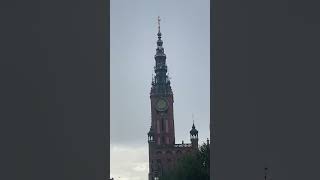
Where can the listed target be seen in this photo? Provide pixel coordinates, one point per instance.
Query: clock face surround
(161, 104)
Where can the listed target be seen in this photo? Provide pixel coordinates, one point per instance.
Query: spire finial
(193, 122)
(159, 23)
(192, 119)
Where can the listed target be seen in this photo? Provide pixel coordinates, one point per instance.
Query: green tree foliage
(192, 166)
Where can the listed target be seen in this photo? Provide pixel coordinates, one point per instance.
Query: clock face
(161, 105)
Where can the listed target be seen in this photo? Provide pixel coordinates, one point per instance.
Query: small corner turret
(194, 136)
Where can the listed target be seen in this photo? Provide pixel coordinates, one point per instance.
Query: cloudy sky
(185, 32)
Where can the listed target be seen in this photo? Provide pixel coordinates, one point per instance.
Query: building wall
(162, 158)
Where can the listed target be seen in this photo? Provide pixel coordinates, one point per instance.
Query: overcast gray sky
(185, 27)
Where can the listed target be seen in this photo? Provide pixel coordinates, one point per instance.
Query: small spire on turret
(194, 135)
(194, 131)
(193, 127)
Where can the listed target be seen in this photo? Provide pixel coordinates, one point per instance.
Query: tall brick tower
(163, 152)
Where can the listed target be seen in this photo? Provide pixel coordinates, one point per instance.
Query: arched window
(158, 152)
(168, 152)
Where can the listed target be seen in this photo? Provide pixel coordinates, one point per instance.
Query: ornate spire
(194, 135)
(193, 131)
(161, 80)
(193, 127)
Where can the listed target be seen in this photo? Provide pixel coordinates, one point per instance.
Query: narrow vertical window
(162, 124)
(167, 126)
(158, 126)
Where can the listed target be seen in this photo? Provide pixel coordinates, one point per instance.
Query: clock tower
(161, 99)
(163, 152)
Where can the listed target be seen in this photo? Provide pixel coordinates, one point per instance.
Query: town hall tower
(163, 151)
